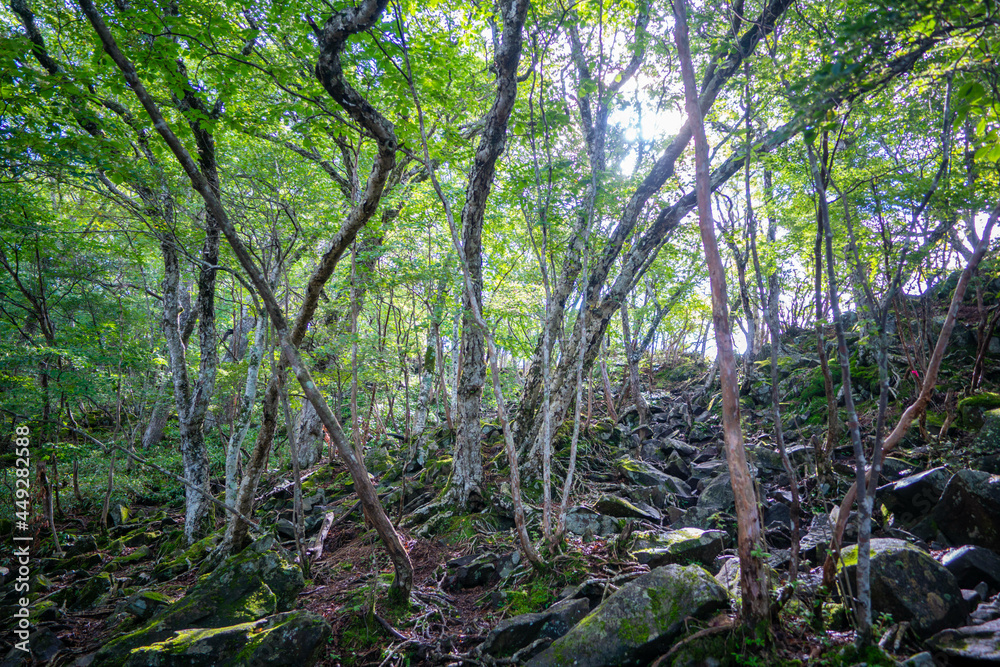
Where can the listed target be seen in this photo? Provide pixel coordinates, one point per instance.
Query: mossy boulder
(643, 474)
(247, 587)
(639, 621)
(908, 584)
(988, 439)
(681, 547)
(97, 590)
(179, 563)
(142, 553)
(974, 645)
(513, 634)
(293, 638)
(973, 409)
(623, 509)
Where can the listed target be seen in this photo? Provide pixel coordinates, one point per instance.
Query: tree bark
(467, 471)
(332, 38)
(753, 577)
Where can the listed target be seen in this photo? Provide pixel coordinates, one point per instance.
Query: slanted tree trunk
(332, 39)
(753, 577)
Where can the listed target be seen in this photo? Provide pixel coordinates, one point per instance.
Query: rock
(972, 565)
(44, 645)
(972, 644)
(676, 466)
(185, 560)
(893, 469)
(985, 612)
(912, 498)
(643, 474)
(924, 659)
(988, 438)
(514, 634)
(728, 577)
(974, 410)
(83, 544)
(681, 547)
(909, 584)
(969, 510)
(816, 542)
(592, 590)
(623, 509)
(292, 638)
(639, 621)
(144, 604)
(99, 589)
(471, 571)
(255, 583)
(717, 496)
(585, 521)
(971, 597)
(778, 514)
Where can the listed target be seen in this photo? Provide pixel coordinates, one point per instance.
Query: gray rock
(623, 509)
(585, 521)
(912, 498)
(681, 547)
(643, 474)
(969, 510)
(514, 634)
(909, 584)
(255, 583)
(973, 565)
(639, 621)
(975, 644)
(293, 639)
(924, 659)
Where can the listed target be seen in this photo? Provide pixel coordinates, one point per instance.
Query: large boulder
(969, 645)
(252, 585)
(908, 584)
(294, 639)
(514, 634)
(639, 621)
(912, 498)
(681, 547)
(972, 565)
(643, 474)
(968, 512)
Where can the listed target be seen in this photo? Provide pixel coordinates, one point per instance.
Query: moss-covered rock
(976, 644)
(643, 474)
(682, 547)
(638, 621)
(972, 410)
(623, 509)
(249, 586)
(988, 439)
(293, 638)
(513, 634)
(178, 564)
(142, 553)
(908, 584)
(97, 590)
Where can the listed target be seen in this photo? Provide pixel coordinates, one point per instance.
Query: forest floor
(468, 573)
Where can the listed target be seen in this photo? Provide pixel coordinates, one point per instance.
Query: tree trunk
(632, 361)
(158, 418)
(467, 471)
(753, 577)
(245, 410)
